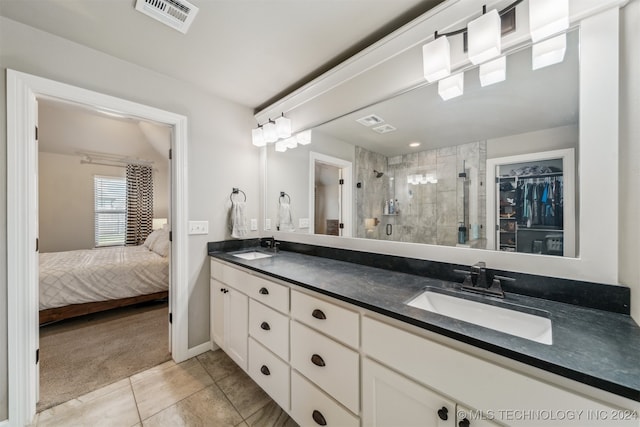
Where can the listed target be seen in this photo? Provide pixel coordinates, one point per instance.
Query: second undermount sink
(524, 325)
(252, 255)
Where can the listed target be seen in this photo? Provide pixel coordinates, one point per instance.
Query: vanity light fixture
(281, 146)
(548, 52)
(269, 131)
(484, 35)
(436, 58)
(451, 87)
(493, 71)
(257, 137)
(283, 127)
(290, 142)
(547, 17)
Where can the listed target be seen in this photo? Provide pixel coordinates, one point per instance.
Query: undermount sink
(524, 325)
(252, 255)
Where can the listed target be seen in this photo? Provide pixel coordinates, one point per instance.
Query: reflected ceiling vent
(386, 128)
(370, 120)
(176, 14)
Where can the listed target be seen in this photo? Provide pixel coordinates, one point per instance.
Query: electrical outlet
(267, 224)
(303, 223)
(254, 224)
(198, 227)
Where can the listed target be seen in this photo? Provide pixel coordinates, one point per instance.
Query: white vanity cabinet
(230, 312)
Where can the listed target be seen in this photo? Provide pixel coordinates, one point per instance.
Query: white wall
(220, 154)
(630, 153)
(532, 142)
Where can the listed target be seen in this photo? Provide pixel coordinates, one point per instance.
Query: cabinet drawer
(309, 406)
(328, 318)
(270, 328)
(330, 365)
(230, 276)
(270, 373)
(269, 293)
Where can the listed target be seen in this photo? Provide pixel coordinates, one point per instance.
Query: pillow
(151, 238)
(161, 244)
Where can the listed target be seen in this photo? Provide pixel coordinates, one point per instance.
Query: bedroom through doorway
(104, 209)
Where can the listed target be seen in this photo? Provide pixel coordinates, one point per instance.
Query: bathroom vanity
(335, 343)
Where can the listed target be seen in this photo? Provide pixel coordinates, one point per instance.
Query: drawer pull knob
(318, 314)
(265, 370)
(319, 418)
(443, 413)
(317, 360)
(264, 291)
(265, 326)
(464, 423)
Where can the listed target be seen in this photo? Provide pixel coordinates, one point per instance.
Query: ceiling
(252, 52)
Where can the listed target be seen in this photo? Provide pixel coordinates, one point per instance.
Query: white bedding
(100, 274)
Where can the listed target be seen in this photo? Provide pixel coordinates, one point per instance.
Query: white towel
(238, 220)
(285, 220)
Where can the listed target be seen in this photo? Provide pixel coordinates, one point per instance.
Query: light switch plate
(303, 223)
(267, 224)
(198, 227)
(254, 224)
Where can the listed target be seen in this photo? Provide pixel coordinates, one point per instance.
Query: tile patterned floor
(208, 390)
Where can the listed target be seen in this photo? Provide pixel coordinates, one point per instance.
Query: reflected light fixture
(547, 17)
(484, 35)
(257, 137)
(493, 71)
(304, 137)
(269, 131)
(451, 87)
(548, 52)
(414, 144)
(291, 142)
(436, 58)
(281, 146)
(283, 127)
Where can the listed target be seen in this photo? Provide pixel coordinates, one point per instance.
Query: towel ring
(236, 191)
(282, 195)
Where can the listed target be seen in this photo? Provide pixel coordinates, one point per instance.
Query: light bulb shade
(548, 52)
(493, 71)
(269, 131)
(547, 17)
(304, 137)
(281, 146)
(484, 36)
(283, 127)
(291, 142)
(436, 59)
(451, 86)
(257, 137)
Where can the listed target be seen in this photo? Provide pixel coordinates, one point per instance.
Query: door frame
(346, 167)
(22, 261)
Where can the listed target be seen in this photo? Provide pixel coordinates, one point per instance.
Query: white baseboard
(199, 349)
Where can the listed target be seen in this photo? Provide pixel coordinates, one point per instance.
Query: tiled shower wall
(428, 213)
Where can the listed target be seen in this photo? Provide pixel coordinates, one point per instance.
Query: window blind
(110, 195)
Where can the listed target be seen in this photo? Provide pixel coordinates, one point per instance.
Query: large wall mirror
(493, 169)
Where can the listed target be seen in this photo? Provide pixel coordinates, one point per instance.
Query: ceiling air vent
(386, 128)
(370, 120)
(176, 14)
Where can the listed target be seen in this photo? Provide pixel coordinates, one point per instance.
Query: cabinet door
(217, 312)
(469, 418)
(389, 399)
(236, 323)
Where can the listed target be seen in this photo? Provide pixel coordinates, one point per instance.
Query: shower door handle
(389, 229)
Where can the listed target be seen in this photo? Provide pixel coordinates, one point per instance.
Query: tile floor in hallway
(208, 390)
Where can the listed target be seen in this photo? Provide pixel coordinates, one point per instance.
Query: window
(110, 210)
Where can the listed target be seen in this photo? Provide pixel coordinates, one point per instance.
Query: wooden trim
(75, 310)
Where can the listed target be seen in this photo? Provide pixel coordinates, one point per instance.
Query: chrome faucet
(476, 281)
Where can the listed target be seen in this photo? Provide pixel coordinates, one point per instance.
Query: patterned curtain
(139, 203)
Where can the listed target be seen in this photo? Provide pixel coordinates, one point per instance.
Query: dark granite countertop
(595, 347)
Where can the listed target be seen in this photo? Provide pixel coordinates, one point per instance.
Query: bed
(74, 283)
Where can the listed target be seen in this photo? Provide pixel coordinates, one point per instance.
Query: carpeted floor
(83, 354)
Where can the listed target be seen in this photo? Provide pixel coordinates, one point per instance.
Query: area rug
(81, 355)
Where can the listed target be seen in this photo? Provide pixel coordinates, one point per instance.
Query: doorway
(23, 90)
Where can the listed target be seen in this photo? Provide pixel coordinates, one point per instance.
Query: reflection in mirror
(431, 171)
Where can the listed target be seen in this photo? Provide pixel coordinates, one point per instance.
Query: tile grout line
(215, 382)
(135, 401)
